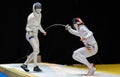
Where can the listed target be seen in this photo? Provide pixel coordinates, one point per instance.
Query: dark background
(58, 46)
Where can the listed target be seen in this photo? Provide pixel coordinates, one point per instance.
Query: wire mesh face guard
(37, 7)
(77, 22)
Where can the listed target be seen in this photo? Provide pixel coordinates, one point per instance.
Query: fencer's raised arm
(72, 31)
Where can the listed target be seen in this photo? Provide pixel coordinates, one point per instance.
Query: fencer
(90, 45)
(32, 27)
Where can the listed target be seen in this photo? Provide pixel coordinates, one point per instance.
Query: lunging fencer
(90, 48)
(32, 27)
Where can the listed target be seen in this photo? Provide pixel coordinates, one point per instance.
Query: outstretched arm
(72, 31)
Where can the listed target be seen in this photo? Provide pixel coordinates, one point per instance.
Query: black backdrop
(58, 45)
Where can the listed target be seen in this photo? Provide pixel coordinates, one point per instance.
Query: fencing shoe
(24, 67)
(37, 69)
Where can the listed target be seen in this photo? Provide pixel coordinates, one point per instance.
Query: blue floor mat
(3, 75)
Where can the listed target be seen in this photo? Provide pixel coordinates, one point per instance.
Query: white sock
(29, 58)
(35, 59)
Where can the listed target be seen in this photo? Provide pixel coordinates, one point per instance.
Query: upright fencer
(32, 27)
(90, 45)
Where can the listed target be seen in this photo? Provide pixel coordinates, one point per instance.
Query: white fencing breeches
(34, 42)
(82, 53)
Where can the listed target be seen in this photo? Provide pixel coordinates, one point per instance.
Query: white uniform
(82, 53)
(32, 27)
(90, 41)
